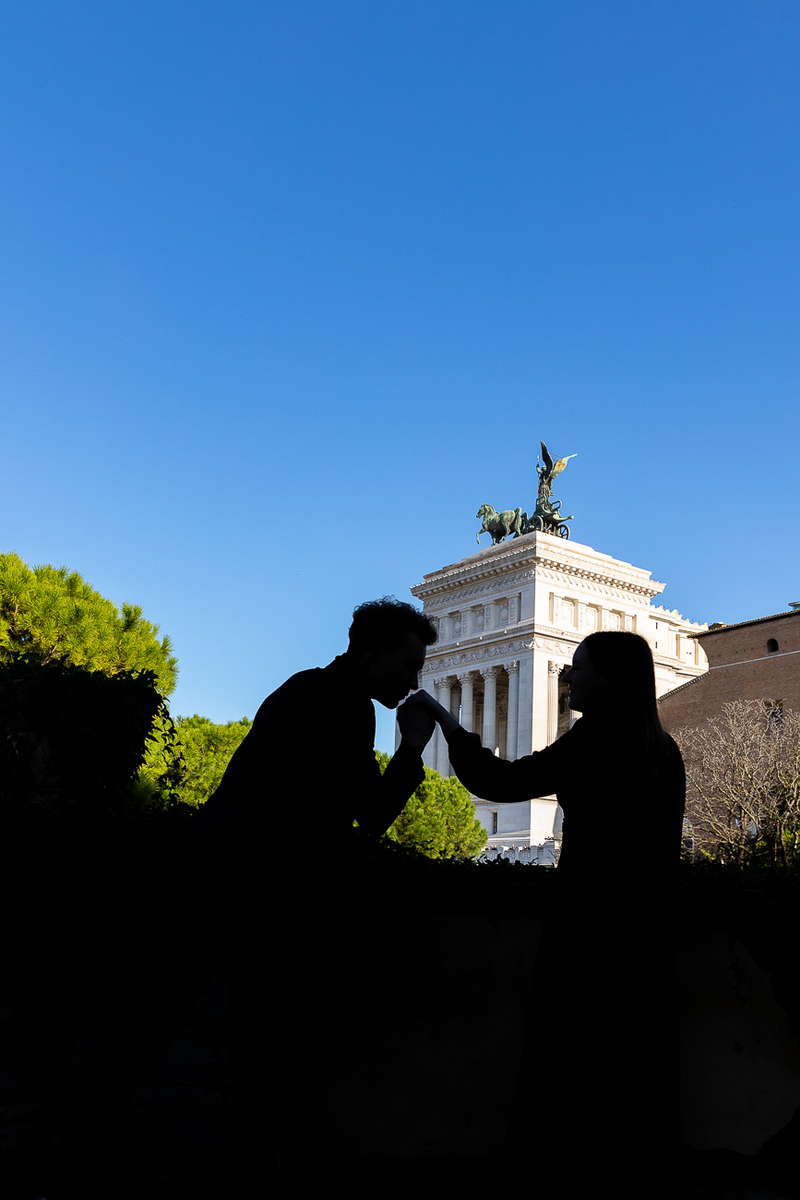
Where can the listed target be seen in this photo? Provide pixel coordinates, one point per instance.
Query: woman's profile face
(589, 691)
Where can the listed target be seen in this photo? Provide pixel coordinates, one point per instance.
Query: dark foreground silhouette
(307, 770)
(189, 1009)
(223, 903)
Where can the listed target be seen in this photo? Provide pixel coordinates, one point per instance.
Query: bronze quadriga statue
(546, 516)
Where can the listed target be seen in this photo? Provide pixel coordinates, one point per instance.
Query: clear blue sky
(288, 290)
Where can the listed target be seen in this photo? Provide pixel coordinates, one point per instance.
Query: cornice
(461, 593)
(536, 558)
(554, 572)
(494, 560)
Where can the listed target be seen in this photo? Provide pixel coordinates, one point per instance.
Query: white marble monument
(509, 619)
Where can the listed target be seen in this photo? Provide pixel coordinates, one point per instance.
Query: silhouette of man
(307, 767)
(307, 771)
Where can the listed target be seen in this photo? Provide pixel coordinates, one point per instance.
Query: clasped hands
(417, 718)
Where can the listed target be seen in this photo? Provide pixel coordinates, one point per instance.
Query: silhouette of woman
(599, 1079)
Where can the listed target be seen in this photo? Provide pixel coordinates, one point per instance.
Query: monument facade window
(590, 617)
(493, 822)
(566, 613)
(772, 646)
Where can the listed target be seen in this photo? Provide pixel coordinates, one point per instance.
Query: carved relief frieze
(461, 660)
(555, 645)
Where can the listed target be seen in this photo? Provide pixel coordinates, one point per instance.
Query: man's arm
(389, 793)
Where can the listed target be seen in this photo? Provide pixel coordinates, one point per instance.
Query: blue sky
(288, 290)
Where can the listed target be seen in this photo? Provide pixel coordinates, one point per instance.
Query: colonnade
(486, 701)
(490, 701)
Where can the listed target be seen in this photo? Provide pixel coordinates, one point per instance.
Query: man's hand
(416, 722)
(446, 720)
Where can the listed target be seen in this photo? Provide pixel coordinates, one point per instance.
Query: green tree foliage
(206, 750)
(439, 820)
(49, 614)
(71, 739)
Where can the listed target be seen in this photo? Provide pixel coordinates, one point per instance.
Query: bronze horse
(500, 524)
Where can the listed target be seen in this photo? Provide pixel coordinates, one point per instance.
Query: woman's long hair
(626, 663)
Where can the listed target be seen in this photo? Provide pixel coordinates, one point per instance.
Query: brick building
(751, 660)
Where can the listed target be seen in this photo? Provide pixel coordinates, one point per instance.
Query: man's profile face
(391, 673)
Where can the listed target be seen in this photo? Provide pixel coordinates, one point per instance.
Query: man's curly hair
(386, 622)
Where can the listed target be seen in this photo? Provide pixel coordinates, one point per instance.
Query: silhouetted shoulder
(297, 689)
(674, 758)
(674, 749)
(330, 685)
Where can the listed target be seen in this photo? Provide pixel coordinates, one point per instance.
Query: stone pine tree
(51, 614)
(439, 819)
(206, 749)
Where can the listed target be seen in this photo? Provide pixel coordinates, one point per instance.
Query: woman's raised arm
(486, 775)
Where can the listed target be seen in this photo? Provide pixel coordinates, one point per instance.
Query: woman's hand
(416, 723)
(423, 701)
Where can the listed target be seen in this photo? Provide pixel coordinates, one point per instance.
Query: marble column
(467, 700)
(512, 670)
(428, 684)
(525, 709)
(553, 672)
(489, 733)
(443, 695)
